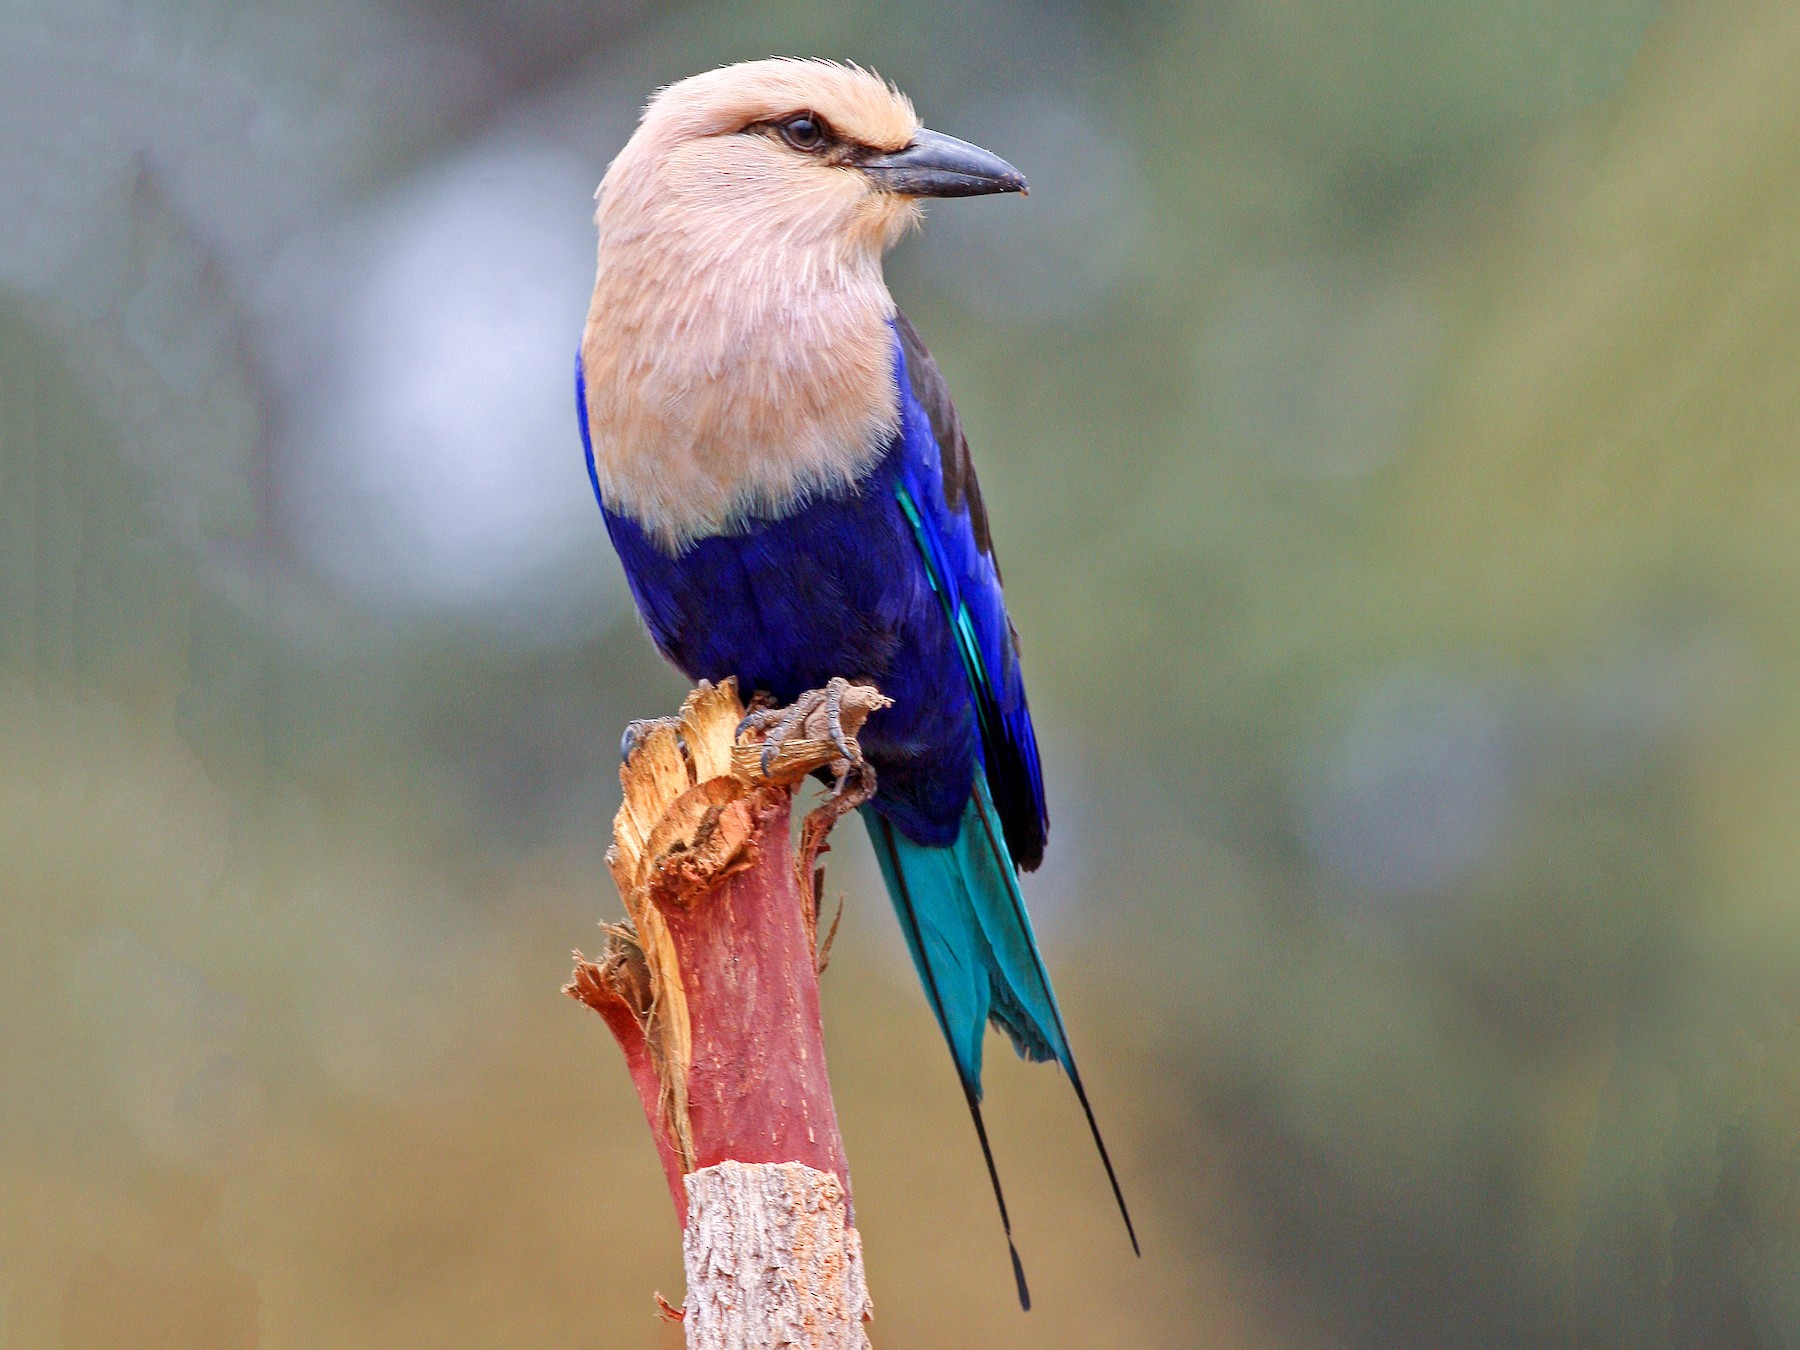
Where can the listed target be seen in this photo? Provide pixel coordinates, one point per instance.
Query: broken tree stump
(710, 986)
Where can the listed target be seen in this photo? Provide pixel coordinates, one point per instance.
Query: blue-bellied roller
(789, 488)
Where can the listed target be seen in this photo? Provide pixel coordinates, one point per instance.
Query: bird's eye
(804, 131)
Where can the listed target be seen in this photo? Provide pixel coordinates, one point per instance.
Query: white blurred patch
(1055, 252)
(436, 466)
(1316, 368)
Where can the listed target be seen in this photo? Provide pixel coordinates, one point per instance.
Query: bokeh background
(1388, 410)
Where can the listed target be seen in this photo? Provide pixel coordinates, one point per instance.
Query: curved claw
(834, 707)
(788, 723)
(633, 734)
(761, 711)
(638, 728)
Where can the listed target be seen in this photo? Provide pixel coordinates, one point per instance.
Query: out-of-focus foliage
(1387, 410)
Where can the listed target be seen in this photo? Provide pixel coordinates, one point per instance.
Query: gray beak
(936, 165)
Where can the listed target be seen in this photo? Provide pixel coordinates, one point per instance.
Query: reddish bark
(592, 986)
(712, 989)
(757, 1090)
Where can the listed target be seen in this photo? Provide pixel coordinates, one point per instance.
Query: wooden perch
(710, 986)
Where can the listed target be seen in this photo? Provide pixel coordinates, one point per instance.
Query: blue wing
(960, 907)
(941, 499)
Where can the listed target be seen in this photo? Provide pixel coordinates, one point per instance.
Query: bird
(790, 492)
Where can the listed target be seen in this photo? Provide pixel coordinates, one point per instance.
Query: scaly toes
(790, 721)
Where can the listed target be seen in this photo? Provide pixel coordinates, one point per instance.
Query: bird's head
(808, 153)
(739, 351)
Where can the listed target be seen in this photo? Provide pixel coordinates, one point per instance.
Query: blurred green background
(1388, 412)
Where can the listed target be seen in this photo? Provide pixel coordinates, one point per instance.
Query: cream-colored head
(738, 354)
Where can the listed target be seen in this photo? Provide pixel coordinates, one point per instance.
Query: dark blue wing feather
(942, 501)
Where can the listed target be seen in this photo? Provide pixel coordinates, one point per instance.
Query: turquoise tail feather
(966, 926)
(971, 940)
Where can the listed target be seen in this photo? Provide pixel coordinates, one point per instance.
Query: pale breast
(734, 370)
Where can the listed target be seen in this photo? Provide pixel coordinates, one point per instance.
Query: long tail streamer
(965, 923)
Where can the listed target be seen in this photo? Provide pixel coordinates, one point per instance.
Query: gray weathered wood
(772, 1260)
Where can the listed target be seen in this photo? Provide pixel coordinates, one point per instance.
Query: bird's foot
(761, 711)
(818, 714)
(816, 732)
(636, 731)
(853, 783)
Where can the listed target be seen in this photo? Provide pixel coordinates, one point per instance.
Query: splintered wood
(710, 987)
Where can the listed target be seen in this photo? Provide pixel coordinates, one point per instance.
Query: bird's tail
(965, 923)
